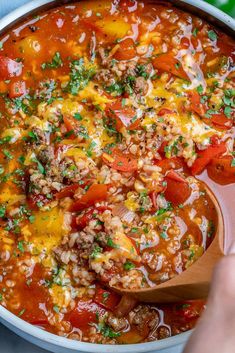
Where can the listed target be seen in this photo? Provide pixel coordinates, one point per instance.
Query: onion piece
(123, 213)
(125, 305)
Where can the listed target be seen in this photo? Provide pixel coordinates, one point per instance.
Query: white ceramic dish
(50, 341)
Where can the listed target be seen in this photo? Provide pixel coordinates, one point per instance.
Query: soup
(109, 112)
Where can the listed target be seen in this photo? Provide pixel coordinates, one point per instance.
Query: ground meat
(143, 316)
(40, 137)
(46, 154)
(117, 324)
(105, 76)
(84, 240)
(140, 86)
(162, 332)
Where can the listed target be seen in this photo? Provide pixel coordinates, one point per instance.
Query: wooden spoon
(194, 282)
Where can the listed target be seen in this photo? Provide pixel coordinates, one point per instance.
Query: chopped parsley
(90, 148)
(21, 312)
(40, 166)
(20, 246)
(55, 62)
(79, 76)
(77, 116)
(212, 35)
(195, 32)
(128, 265)
(56, 309)
(112, 244)
(107, 331)
(96, 251)
(7, 154)
(200, 89)
(2, 211)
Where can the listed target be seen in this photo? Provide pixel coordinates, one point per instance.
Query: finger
(223, 282)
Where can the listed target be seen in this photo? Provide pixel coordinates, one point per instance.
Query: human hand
(215, 331)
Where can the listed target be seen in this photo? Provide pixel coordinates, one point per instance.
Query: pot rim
(24, 328)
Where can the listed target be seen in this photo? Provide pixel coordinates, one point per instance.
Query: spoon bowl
(194, 282)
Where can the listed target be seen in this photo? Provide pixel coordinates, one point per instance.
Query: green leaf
(40, 166)
(112, 244)
(7, 154)
(228, 111)
(2, 211)
(163, 235)
(31, 219)
(79, 76)
(56, 309)
(77, 116)
(212, 35)
(233, 162)
(32, 135)
(195, 32)
(21, 312)
(90, 148)
(20, 246)
(107, 331)
(128, 265)
(55, 62)
(21, 159)
(200, 89)
(96, 251)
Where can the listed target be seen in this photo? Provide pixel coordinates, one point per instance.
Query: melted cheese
(123, 249)
(47, 229)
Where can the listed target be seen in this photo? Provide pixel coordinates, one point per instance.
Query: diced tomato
(127, 3)
(17, 89)
(82, 221)
(189, 310)
(195, 103)
(97, 192)
(177, 189)
(164, 111)
(221, 121)
(170, 163)
(120, 161)
(35, 308)
(221, 170)
(71, 125)
(161, 149)
(214, 140)
(123, 116)
(126, 50)
(176, 176)
(68, 191)
(167, 62)
(205, 157)
(9, 68)
(185, 43)
(106, 298)
(85, 313)
(153, 197)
